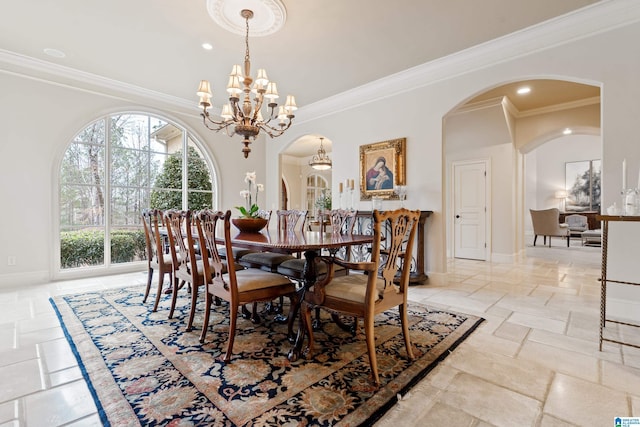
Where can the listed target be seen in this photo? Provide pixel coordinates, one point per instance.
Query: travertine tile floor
(533, 362)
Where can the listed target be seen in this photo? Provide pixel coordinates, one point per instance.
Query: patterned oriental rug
(143, 369)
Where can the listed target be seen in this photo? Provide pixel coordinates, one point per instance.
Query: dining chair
(341, 221)
(365, 295)
(157, 259)
(236, 287)
(289, 221)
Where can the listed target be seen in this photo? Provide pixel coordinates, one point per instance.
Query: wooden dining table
(310, 243)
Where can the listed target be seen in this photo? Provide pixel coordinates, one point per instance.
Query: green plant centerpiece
(250, 220)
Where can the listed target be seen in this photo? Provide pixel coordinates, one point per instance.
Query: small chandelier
(320, 161)
(244, 118)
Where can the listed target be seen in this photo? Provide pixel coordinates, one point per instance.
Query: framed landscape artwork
(583, 186)
(382, 167)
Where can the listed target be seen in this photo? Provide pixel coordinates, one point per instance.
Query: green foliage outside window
(86, 247)
(171, 178)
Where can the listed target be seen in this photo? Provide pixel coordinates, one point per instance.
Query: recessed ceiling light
(54, 53)
(567, 131)
(524, 90)
(207, 46)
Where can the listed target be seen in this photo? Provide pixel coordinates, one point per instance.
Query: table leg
(309, 280)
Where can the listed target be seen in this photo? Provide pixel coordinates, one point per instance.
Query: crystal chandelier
(320, 161)
(244, 118)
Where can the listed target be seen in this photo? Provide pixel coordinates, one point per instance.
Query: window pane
(129, 167)
(81, 206)
(166, 138)
(127, 244)
(92, 134)
(126, 205)
(82, 248)
(83, 164)
(156, 167)
(166, 199)
(198, 179)
(200, 200)
(131, 131)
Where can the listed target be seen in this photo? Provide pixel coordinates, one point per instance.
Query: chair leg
(174, 296)
(192, 311)
(369, 334)
(233, 317)
(405, 330)
(159, 292)
(149, 279)
(535, 237)
(207, 310)
(568, 237)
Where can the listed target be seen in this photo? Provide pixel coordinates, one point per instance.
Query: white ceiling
(324, 48)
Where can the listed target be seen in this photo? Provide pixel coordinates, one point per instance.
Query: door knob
(457, 216)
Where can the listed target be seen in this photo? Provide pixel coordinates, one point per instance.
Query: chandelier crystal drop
(321, 161)
(239, 116)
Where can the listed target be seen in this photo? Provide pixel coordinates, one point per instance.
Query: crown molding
(591, 20)
(559, 107)
(506, 103)
(37, 69)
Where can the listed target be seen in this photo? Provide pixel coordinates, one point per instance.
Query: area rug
(144, 369)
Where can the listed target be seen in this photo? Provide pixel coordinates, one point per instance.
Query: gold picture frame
(382, 167)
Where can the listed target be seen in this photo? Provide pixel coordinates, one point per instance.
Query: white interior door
(470, 210)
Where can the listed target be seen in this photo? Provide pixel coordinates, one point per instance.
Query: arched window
(112, 170)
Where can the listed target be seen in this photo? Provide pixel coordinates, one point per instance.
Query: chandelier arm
(218, 125)
(274, 132)
(206, 118)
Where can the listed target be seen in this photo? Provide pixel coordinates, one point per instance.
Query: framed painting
(582, 182)
(382, 167)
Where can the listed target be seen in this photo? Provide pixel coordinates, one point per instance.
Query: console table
(604, 279)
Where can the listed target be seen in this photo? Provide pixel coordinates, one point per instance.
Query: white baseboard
(24, 279)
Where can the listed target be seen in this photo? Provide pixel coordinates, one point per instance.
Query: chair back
(342, 221)
(292, 220)
(546, 222)
(399, 230)
(576, 221)
(207, 223)
(181, 242)
(152, 221)
(263, 213)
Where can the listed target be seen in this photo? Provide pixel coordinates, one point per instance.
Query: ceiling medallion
(270, 15)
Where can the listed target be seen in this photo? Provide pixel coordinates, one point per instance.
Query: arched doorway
(498, 124)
